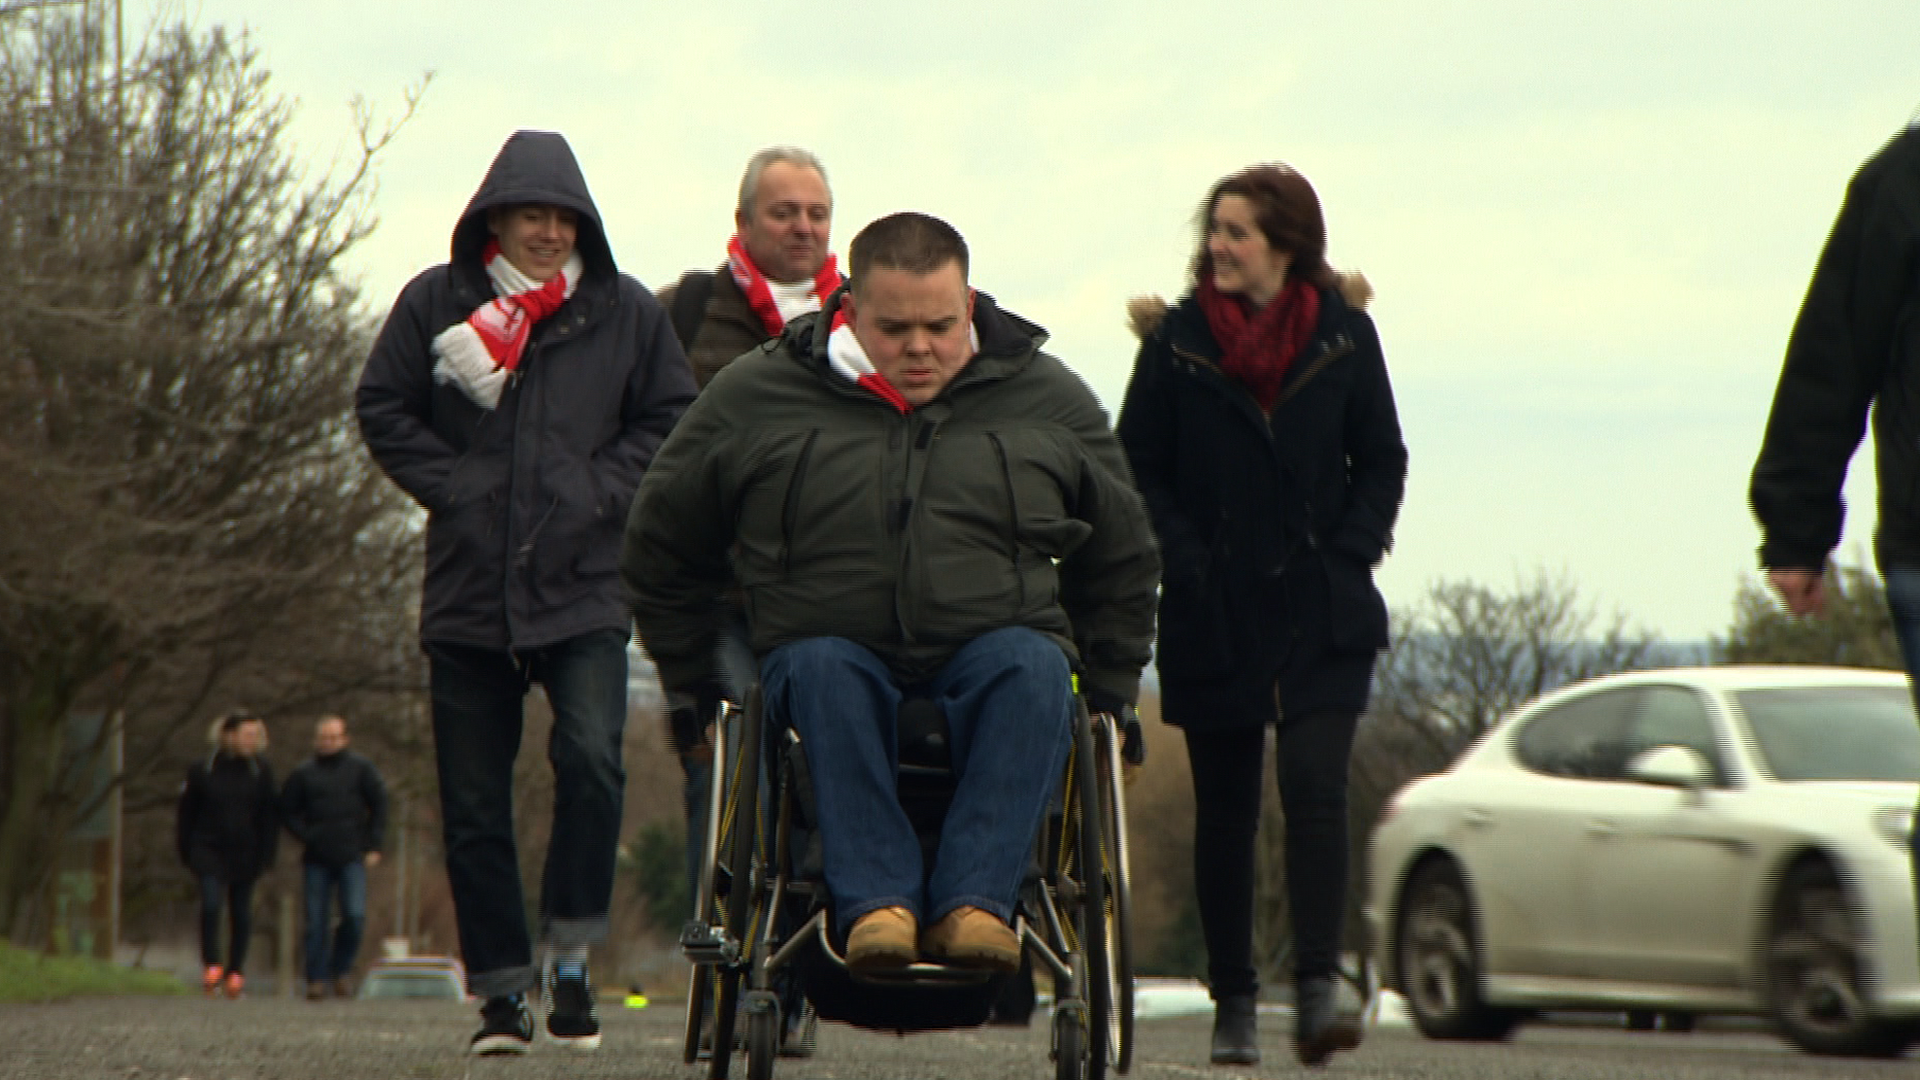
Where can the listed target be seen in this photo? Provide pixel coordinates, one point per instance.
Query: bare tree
(189, 516)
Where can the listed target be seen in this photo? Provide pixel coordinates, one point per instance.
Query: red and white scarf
(849, 361)
(760, 294)
(478, 355)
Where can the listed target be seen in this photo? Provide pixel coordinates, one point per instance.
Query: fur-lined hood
(1146, 313)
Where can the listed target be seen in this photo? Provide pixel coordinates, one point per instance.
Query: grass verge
(28, 976)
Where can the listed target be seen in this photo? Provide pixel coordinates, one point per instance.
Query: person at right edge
(1855, 350)
(1260, 425)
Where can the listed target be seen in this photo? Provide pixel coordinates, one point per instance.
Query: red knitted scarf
(760, 295)
(1258, 346)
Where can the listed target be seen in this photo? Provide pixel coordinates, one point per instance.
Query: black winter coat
(337, 807)
(526, 501)
(1855, 347)
(1269, 527)
(228, 824)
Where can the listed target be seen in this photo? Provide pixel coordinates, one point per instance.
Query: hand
(690, 713)
(373, 859)
(1126, 723)
(1803, 591)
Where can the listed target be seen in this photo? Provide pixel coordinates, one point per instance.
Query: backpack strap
(690, 305)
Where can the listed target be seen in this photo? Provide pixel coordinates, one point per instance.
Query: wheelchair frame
(1074, 919)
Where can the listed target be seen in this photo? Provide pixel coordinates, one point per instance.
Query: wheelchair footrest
(704, 944)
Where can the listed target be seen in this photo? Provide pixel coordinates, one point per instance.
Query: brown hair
(1288, 213)
(914, 242)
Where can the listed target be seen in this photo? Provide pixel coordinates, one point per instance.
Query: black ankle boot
(1234, 1042)
(1318, 1030)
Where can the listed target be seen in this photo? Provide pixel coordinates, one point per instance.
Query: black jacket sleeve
(1108, 584)
(267, 817)
(187, 814)
(1376, 455)
(293, 806)
(1837, 360)
(374, 793)
(395, 397)
(674, 560)
(658, 391)
(1149, 430)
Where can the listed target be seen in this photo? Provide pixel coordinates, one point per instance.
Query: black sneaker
(506, 1027)
(571, 1019)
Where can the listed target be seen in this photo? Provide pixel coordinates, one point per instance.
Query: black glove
(690, 712)
(1133, 740)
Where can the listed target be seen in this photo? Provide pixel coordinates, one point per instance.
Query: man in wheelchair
(912, 497)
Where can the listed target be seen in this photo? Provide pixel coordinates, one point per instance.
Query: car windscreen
(1835, 732)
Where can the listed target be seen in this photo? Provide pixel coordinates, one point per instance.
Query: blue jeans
(1903, 601)
(478, 698)
(1008, 698)
(323, 883)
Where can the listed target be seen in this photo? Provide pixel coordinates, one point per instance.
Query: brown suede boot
(970, 937)
(883, 939)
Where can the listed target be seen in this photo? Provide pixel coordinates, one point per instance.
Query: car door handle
(1602, 830)
(1476, 817)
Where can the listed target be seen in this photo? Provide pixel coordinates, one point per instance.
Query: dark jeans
(1312, 758)
(1008, 698)
(478, 699)
(323, 884)
(239, 898)
(1903, 601)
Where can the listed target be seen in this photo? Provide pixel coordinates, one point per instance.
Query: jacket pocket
(1195, 638)
(1357, 612)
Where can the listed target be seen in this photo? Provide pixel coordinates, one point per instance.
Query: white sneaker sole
(495, 1045)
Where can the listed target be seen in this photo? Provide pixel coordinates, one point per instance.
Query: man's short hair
(911, 241)
(757, 164)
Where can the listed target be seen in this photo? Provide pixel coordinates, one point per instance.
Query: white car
(1702, 840)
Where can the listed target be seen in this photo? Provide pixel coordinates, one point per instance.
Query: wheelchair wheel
(763, 1034)
(1094, 914)
(1069, 1044)
(1115, 870)
(706, 912)
(739, 829)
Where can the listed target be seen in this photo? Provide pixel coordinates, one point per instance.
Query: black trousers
(239, 898)
(1312, 753)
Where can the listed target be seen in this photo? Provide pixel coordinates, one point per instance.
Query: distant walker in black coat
(226, 832)
(1260, 425)
(336, 804)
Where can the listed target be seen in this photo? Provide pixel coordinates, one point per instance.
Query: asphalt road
(194, 1039)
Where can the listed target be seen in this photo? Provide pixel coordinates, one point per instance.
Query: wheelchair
(763, 915)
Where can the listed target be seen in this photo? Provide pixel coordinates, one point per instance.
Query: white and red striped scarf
(760, 294)
(478, 354)
(850, 362)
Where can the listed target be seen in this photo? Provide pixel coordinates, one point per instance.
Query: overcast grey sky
(1589, 224)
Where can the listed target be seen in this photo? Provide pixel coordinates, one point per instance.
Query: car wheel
(1814, 986)
(1437, 958)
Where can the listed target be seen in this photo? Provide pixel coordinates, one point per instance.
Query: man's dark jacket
(1269, 526)
(1003, 502)
(1855, 347)
(727, 327)
(525, 501)
(228, 823)
(336, 806)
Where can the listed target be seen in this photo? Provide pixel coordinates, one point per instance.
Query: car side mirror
(1671, 766)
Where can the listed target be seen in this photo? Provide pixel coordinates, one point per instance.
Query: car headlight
(1895, 823)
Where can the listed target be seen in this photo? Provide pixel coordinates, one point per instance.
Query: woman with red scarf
(1261, 429)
